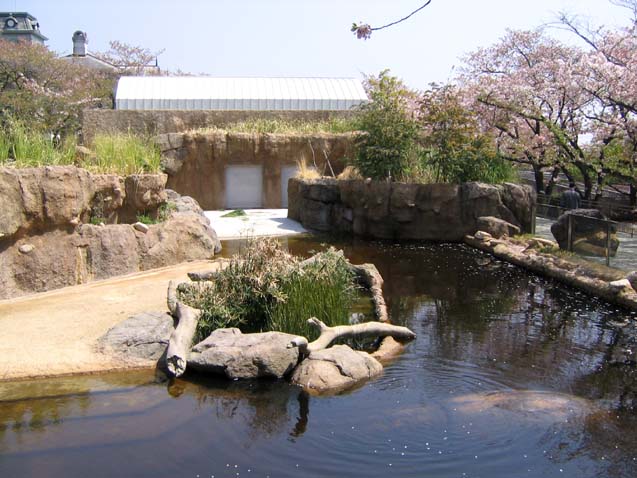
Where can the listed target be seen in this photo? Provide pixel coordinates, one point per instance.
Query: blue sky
(302, 37)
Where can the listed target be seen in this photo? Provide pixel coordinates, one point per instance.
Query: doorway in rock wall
(244, 186)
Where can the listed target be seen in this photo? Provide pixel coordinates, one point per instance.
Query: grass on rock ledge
(265, 288)
(278, 126)
(124, 154)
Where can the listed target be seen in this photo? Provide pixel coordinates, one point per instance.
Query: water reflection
(511, 375)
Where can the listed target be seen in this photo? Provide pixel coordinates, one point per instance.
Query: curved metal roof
(210, 93)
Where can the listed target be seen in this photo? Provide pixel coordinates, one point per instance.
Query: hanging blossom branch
(364, 30)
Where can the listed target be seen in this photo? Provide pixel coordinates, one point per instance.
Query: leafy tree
(455, 146)
(389, 148)
(44, 92)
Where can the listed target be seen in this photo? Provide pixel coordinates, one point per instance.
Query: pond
(511, 375)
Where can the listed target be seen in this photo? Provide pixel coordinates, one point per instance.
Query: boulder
(140, 337)
(497, 227)
(589, 230)
(335, 369)
(238, 355)
(144, 193)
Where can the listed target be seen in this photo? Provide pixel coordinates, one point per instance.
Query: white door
(287, 172)
(244, 186)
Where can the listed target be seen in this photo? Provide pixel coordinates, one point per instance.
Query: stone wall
(164, 121)
(48, 238)
(434, 212)
(196, 162)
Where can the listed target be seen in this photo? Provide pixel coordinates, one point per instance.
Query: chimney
(80, 39)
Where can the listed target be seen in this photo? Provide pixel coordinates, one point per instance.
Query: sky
(304, 37)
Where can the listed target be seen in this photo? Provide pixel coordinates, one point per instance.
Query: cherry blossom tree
(131, 59)
(45, 92)
(608, 73)
(527, 87)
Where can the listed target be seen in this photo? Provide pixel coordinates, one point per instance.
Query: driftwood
(181, 339)
(366, 329)
(368, 276)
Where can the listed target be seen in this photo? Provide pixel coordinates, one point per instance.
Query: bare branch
(364, 30)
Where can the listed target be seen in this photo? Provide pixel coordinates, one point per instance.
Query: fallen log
(180, 341)
(366, 329)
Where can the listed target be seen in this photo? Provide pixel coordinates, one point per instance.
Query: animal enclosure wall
(222, 170)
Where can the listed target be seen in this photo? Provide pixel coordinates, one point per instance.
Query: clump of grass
(163, 213)
(323, 289)
(305, 171)
(235, 213)
(124, 154)
(279, 126)
(21, 147)
(350, 172)
(146, 219)
(265, 288)
(165, 210)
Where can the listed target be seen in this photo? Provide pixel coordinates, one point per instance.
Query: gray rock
(483, 236)
(497, 227)
(26, 248)
(620, 284)
(335, 369)
(141, 227)
(237, 355)
(143, 336)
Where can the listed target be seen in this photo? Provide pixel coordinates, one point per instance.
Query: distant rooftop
(213, 93)
(16, 26)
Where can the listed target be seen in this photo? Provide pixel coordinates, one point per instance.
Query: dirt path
(54, 333)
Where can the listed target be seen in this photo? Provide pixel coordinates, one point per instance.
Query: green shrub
(265, 288)
(389, 148)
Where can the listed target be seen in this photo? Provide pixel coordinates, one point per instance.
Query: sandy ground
(55, 333)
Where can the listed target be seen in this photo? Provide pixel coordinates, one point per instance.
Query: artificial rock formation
(314, 365)
(196, 162)
(588, 232)
(49, 239)
(237, 355)
(141, 337)
(335, 369)
(438, 212)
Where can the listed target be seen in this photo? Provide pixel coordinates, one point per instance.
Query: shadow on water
(511, 375)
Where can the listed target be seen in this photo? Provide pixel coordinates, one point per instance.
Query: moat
(511, 375)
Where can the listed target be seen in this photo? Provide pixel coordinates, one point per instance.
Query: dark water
(510, 375)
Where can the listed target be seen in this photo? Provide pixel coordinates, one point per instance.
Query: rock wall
(434, 212)
(196, 162)
(161, 122)
(47, 240)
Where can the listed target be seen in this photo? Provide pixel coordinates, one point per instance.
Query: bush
(265, 288)
(388, 149)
